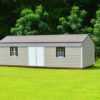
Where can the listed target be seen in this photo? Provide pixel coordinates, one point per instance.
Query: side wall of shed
(72, 57)
(88, 52)
(6, 59)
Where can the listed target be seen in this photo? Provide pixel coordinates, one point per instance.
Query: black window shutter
(64, 51)
(16, 51)
(10, 52)
(56, 52)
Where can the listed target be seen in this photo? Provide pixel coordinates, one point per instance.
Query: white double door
(36, 56)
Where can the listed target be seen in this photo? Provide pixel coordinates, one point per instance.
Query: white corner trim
(81, 57)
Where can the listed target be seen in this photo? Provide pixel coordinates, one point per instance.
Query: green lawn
(50, 84)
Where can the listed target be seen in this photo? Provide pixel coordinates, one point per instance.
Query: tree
(96, 32)
(31, 22)
(74, 22)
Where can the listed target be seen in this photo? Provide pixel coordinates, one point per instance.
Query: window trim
(16, 52)
(57, 52)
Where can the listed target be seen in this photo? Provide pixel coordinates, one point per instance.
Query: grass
(50, 84)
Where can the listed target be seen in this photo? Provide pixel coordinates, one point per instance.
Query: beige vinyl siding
(6, 59)
(72, 57)
(88, 52)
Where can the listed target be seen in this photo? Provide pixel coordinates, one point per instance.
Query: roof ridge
(45, 35)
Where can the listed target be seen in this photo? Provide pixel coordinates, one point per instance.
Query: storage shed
(50, 51)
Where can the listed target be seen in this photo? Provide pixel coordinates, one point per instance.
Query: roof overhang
(75, 44)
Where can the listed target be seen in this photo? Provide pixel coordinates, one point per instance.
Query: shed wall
(6, 59)
(88, 52)
(72, 57)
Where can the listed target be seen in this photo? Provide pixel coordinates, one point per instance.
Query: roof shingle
(45, 38)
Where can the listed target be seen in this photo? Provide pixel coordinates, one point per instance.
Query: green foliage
(63, 24)
(37, 21)
(74, 21)
(88, 30)
(96, 31)
(31, 22)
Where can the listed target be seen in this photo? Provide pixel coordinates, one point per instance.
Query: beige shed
(48, 51)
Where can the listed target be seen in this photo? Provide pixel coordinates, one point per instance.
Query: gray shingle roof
(45, 38)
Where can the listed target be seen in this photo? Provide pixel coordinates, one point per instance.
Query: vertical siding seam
(93, 54)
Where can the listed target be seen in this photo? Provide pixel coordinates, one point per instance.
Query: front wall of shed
(72, 57)
(6, 59)
(88, 52)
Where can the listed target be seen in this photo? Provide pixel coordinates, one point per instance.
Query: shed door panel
(32, 56)
(40, 56)
(36, 56)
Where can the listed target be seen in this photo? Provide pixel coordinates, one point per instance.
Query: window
(60, 51)
(13, 51)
